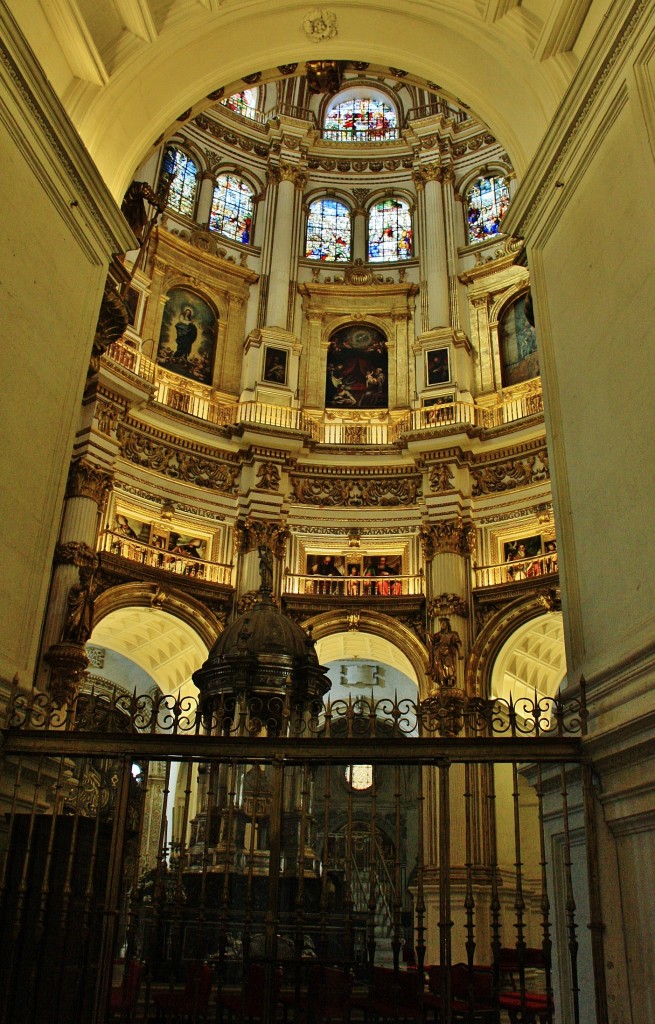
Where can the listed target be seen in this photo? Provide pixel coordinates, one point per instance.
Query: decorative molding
(359, 492)
(156, 499)
(192, 466)
(253, 533)
(450, 536)
(320, 24)
(441, 477)
(75, 553)
(505, 476)
(448, 604)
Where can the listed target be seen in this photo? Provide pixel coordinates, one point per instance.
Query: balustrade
(169, 561)
(516, 570)
(354, 586)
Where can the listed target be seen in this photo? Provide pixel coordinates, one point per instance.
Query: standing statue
(445, 653)
(80, 601)
(265, 569)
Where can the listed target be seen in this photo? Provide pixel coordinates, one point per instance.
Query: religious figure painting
(187, 339)
(130, 529)
(437, 366)
(521, 553)
(275, 365)
(518, 346)
(381, 575)
(357, 369)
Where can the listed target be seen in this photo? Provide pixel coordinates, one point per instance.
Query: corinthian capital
(88, 481)
(453, 536)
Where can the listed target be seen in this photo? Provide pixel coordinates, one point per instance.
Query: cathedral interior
(327, 669)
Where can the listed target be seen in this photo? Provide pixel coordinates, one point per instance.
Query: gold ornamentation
(85, 480)
(454, 536)
(68, 663)
(293, 173)
(254, 533)
(108, 416)
(353, 622)
(441, 477)
(75, 553)
(191, 467)
(112, 324)
(359, 493)
(268, 475)
(448, 604)
(505, 476)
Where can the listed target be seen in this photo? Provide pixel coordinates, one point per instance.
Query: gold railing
(353, 586)
(169, 561)
(516, 570)
(200, 401)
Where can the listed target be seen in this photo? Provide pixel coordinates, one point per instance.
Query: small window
(359, 777)
(361, 119)
(243, 103)
(179, 174)
(328, 231)
(231, 212)
(390, 231)
(488, 202)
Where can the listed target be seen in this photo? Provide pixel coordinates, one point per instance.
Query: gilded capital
(453, 536)
(253, 533)
(75, 553)
(88, 481)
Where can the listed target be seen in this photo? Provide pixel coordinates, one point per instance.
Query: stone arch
(495, 634)
(390, 629)
(144, 595)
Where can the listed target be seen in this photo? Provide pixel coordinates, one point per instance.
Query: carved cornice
(253, 533)
(193, 465)
(452, 536)
(441, 477)
(85, 480)
(448, 604)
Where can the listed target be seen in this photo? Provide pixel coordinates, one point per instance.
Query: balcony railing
(363, 134)
(169, 561)
(353, 586)
(516, 570)
(437, 107)
(200, 401)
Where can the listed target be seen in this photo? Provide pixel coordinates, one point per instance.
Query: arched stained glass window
(231, 212)
(488, 202)
(389, 231)
(180, 174)
(328, 231)
(361, 119)
(244, 102)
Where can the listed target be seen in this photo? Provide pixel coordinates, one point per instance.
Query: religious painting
(357, 369)
(126, 528)
(275, 365)
(518, 346)
(520, 553)
(445, 399)
(437, 366)
(187, 339)
(329, 571)
(380, 575)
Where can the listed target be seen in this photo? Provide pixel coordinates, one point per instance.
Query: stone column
(435, 311)
(452, 211)
(289, 180)
(314, 395)
(69, 618)
(359, 246)
(205, 197)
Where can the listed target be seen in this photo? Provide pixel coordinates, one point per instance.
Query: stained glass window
(488, 202)
(361, 120)
(180, 174)
(328, 231)
(390, 231)
(244, 102)
(231, 212)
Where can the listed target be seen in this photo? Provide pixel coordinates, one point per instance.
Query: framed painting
(187, 337)
(357, 369)
(518, 346)
(444, 399)
(437, 366)
(187, 544)
(275, 365)
(519, 553)
(380, 572)
(329, 572)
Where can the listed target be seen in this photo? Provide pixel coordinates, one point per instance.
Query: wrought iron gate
(162, 860)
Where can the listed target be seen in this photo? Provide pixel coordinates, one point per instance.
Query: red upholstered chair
(471, 994)
(125, 993)
(524, 1006)
(192, 1003)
